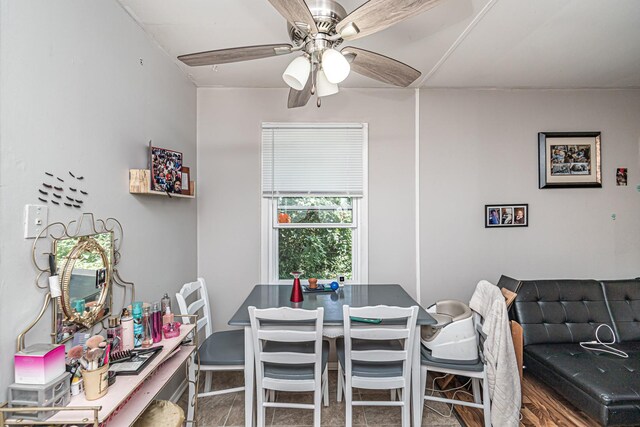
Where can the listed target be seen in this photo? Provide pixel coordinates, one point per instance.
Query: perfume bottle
(156, 320)
(147, 328)
(165, 302)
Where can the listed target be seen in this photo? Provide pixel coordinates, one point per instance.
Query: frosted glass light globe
(297, 73)
(335, 66)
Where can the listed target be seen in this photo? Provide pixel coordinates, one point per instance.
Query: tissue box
(39, 364)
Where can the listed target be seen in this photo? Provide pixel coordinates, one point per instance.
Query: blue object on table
(335, 286)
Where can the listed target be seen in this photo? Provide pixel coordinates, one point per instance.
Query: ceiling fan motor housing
(326, 14)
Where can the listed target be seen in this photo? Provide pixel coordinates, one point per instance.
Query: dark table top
(271, 296)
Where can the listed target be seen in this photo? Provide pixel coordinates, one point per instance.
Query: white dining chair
(376, 356)
(475, 371)
(290, 356)
(220, 351)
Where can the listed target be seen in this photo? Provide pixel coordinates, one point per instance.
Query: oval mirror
(85, 277)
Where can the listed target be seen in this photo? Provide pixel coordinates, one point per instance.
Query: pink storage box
(39, 364)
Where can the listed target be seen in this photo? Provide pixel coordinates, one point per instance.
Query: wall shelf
(140, 183)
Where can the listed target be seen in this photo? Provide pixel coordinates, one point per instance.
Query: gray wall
(75, 97)
(480, 147)
(229, 129)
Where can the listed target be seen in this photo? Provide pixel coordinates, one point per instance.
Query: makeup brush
(75, 352)
(92, 356)
(94, 341)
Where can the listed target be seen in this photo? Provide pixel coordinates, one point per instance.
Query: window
(314, 201)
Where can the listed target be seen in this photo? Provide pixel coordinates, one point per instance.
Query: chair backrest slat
(380, 334)
(287, 357)
(290, 336)
(379, 355)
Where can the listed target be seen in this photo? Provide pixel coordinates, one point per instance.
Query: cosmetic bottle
(147, 328)
(156, 321)
(114, 333)
(138, 330)
(165, 302)
(168, 317)
(126, 321)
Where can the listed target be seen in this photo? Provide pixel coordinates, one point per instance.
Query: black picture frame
(569, 160)
(506, 216)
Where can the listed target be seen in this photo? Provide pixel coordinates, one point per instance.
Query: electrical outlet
(35, 220)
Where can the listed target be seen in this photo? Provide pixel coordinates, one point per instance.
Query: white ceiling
(459, 43)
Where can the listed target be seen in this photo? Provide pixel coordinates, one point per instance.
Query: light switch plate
(35, 220)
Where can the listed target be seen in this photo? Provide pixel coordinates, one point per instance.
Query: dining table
(353, 295)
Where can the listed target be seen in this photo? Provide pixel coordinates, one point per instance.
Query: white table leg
(249, 412)
(416, 394)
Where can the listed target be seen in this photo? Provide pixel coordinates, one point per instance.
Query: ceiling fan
(316, 28)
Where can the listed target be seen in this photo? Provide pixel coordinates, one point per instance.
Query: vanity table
(67, 256)
(130, 395)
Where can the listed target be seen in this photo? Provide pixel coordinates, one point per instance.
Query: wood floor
(541, 406)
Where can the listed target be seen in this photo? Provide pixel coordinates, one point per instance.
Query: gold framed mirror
(77, 267)
(85, 267)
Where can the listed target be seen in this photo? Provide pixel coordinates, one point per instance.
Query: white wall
(75, 97)
(229, 144)
(480, 147)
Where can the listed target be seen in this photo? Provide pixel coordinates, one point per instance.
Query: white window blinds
(313, 158)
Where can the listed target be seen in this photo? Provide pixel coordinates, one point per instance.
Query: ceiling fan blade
(376, 15)
(235, 54)
(297, 13)
(299, 98)
(380, 67)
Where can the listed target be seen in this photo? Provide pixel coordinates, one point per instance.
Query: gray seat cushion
(371, 369)
(293, 372)
(427, 359)
(223, 348)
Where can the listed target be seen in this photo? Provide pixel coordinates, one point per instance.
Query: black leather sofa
(556, 315)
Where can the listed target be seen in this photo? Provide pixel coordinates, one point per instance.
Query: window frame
(360, 241)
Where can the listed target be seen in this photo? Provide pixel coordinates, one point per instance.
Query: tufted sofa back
(623, 297)
(561, 311)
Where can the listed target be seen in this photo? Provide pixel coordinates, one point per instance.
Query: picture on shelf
(497, 216)
(185, 180)
(166, 170)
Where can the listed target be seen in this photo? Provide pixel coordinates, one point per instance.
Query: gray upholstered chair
(220, 351)
(377, 356)
(290, 356)
(475, 371)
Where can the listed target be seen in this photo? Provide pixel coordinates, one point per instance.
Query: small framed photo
(569, 159)
(499, 216)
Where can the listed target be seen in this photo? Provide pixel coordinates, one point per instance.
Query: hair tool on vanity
(121, 356)
(605, 347)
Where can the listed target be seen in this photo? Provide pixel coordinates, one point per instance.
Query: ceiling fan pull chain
(319, 102)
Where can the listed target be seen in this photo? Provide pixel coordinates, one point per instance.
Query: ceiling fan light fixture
(335, 66)
(324, 86)
(297, 73)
